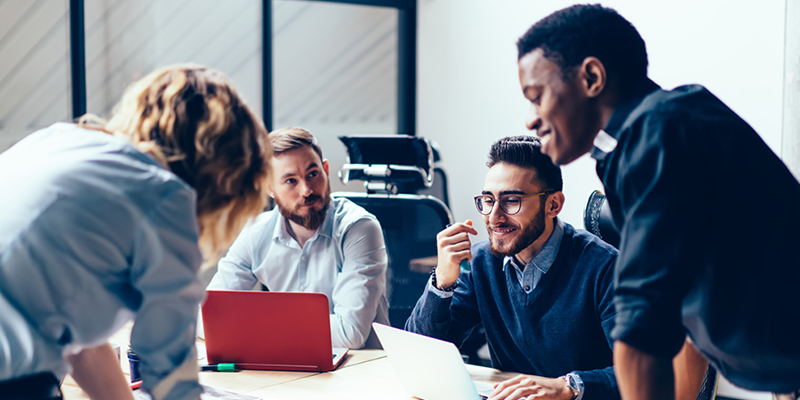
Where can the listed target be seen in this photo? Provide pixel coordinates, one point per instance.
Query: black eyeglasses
(509, 203)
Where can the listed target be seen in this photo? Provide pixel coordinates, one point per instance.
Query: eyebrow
(504, 192)
(291, 174)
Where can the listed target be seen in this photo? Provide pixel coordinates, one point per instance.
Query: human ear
(325, 167)
(593, 76)
(554, 205)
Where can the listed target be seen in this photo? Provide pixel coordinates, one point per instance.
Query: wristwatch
(571, 385)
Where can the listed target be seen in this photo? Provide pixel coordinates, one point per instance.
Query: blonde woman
(101, 225)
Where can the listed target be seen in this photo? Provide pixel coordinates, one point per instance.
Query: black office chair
(597, 220)
(438, 187)
(389, 166)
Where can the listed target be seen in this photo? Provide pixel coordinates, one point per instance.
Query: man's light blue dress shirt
(346, 260)
(94, 233)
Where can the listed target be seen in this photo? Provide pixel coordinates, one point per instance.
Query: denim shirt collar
(607, 138)
(547, 255)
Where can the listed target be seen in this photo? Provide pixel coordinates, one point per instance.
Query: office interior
(440, 69)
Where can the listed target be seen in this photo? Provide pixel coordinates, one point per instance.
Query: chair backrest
(394, 168)
(439, 187)
(410, 224)
(597, 219)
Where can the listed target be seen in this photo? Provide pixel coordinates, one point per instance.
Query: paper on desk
(209, 393)
(201, 350)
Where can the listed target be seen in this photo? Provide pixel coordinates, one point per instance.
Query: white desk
(364, 374)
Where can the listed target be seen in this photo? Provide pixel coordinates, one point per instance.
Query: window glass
(127, 39)
(35, 68)
(334, 72)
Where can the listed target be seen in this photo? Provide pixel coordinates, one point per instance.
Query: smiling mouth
(503, 231)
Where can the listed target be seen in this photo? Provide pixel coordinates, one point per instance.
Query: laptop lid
(269, 330)
(427, 368)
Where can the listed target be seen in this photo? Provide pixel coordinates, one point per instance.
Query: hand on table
(531, 387)
(453, 246)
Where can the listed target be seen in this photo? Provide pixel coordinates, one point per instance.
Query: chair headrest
(390, 159)
(597, 219)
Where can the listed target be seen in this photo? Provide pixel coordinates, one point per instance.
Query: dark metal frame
(77, 49)
(406, 60)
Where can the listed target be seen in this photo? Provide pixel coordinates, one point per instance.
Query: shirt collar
(606, 140)
(544, 259)
(281, 233)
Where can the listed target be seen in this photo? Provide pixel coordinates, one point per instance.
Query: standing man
(684, 177)
(313, 243)
(542, 289)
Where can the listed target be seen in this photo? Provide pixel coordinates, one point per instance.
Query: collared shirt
(345, 259)
(709, 219)
(533, 272)
(94, 233)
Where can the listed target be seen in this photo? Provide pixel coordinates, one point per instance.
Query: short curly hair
(570, 35)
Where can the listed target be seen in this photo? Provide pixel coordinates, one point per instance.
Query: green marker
(221, 367)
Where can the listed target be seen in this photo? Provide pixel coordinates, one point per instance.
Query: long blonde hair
(194, 122)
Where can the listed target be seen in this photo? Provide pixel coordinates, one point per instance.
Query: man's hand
(453, 246)
(531, 387)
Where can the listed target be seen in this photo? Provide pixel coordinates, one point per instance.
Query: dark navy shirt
(562, 325)
(709, 218)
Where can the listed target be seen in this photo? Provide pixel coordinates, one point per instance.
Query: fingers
(519, 387)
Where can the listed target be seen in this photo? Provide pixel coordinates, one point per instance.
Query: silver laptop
(429, 368)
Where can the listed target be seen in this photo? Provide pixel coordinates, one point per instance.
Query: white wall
(469, 96)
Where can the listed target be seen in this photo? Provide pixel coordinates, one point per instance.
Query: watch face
(572, 384)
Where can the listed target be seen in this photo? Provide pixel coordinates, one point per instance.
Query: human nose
(305, 188)
(532, 121)
(496, 214)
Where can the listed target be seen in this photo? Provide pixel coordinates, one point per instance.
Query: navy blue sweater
(564, 325)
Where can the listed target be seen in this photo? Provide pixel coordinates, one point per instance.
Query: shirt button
(303, 257)
(527, 288)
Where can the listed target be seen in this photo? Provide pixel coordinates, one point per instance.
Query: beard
(527, 235)
(314, 218)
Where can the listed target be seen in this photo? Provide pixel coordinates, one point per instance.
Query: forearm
(98, 373)
(431, 315)
(641, 375)
(690, 369)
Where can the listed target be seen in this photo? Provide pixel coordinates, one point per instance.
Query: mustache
(501, 226)
(312, 198)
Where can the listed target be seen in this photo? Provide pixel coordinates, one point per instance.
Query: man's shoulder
(686, 105)
(264, 222)
(346, 214)
(587, 245)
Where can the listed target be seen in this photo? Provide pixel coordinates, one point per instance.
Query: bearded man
(313, 243)
(542, 289)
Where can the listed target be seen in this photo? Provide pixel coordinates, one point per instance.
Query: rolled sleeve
(660, 250)
(361, 284)
(164, 272)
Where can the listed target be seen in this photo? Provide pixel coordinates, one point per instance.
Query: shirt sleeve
(448, 316)
(361, 284)
(659, 181)
(163, 271)
(235, 270)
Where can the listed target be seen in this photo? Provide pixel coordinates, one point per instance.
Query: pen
(136, 385)
(221, 367)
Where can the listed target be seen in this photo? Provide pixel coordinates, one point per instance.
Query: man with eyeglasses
(542, 289)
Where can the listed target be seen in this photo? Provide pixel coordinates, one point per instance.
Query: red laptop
(269, 330)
